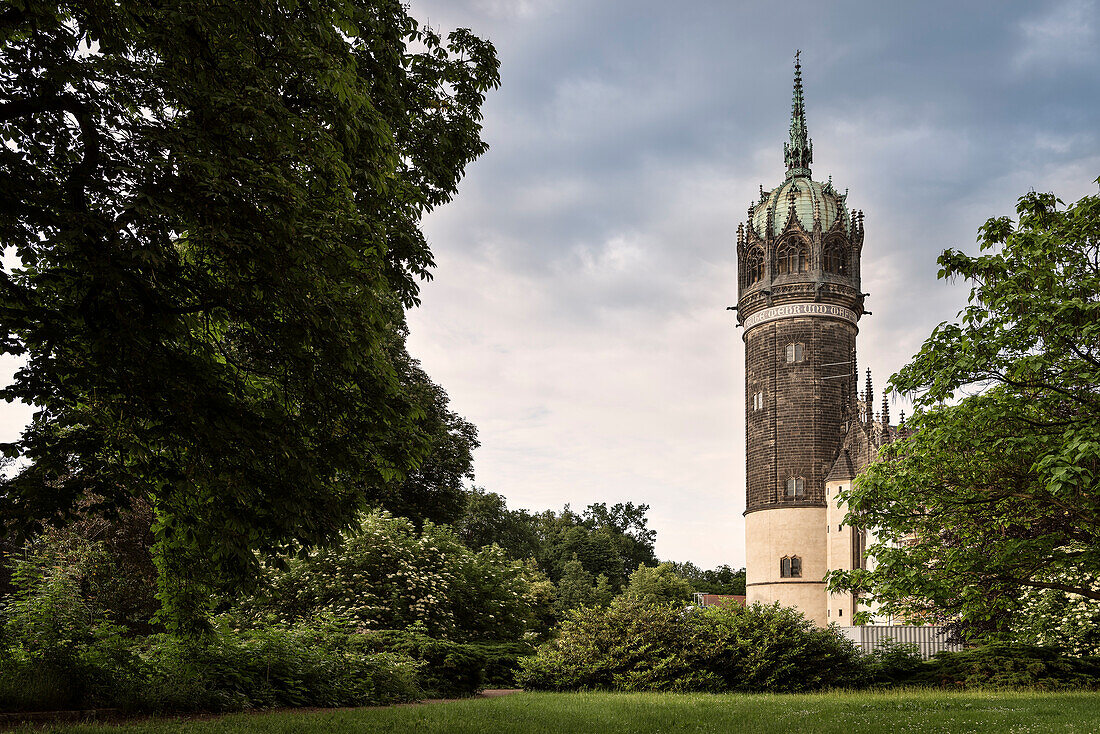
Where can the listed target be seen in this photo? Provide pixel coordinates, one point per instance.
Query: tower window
(791, 258)
(836, 258)
(795, 353)
(758, 400)
(753, 267)
(796, 488)
(790, 567)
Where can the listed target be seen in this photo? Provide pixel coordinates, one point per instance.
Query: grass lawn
(844, 713)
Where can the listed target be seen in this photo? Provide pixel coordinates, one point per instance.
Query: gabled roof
(842, 468)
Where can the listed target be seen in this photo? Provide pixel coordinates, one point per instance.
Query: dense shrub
(502, 661)
(447, 669)
(317, 665)
(644, 647)
(893, 662)
(227, 670)
(1006, 665)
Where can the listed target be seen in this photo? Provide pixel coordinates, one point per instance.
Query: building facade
(808, 428)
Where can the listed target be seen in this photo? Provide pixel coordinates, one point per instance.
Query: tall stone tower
(799, 302)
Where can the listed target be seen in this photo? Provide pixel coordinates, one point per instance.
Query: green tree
(608, 541)
(720, 580)
(578, 588)
(994, 499)
(216, 208)
(658, 585)
(486, 520)
(433, 490)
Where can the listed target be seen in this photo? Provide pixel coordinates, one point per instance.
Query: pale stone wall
(839, 539)
(843, 607)
(786, 531)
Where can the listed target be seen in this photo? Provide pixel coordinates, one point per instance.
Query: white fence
(928, 639)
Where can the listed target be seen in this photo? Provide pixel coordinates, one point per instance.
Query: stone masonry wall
(798, 431)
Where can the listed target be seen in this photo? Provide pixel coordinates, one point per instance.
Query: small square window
(795, 353)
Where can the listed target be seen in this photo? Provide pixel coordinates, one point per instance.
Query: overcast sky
(577, 314)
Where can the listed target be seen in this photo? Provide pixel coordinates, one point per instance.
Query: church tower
(799, 303)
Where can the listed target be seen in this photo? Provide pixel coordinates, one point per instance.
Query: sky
(578, 311)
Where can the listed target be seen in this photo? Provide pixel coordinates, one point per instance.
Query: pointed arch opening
(790, 567)
(792, 257)
(836, 258)
(752, 267)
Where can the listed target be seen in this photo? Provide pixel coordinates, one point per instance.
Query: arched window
(753, 267)
(836, 258)
(790, 567)
(791, 257)
(796, 488)
(795, 353)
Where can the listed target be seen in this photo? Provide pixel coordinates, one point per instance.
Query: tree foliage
(719, 580)
(486, 520)
(658, 585)
(216, 208)
(609, 541)
(992, 501)
(578, 588)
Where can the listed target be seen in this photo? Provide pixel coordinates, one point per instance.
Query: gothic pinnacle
(885, 416)
(799, 152)
(870, 397)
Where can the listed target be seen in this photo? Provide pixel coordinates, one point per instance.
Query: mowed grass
(624, 713)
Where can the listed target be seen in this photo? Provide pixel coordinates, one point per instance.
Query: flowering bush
(386, 575)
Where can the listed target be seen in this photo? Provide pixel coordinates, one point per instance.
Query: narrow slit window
(785, 568)
(796, 567)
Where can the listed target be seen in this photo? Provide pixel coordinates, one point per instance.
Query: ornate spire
(799, 152)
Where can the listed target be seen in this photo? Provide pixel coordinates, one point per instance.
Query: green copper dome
(813, 202)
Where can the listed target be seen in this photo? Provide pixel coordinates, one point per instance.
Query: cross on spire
(799, 152)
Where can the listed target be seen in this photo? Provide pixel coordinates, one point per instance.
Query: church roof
(812, 201)
(842, 468)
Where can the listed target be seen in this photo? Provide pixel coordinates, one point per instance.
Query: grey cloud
(577, 315)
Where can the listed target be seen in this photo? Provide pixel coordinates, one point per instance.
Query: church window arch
(752, 271)
(792, 257)
(796, 353)
(836, 258)
(790, 567)
(796, 488)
